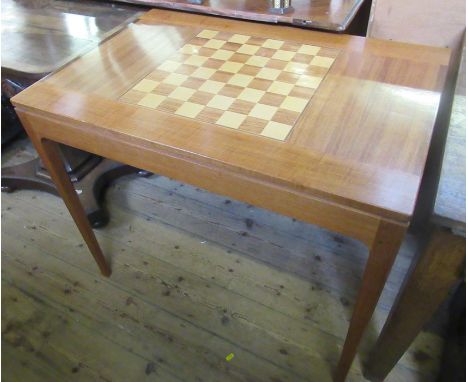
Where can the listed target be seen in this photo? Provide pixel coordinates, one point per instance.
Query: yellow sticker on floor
(229, 357)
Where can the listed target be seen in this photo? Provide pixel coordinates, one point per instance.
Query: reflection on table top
(40, 36)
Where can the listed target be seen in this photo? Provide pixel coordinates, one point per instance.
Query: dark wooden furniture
(174, 104)
(350, 16)
(440, 264)
(39, 37)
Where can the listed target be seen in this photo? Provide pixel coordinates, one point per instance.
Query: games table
(330, 129)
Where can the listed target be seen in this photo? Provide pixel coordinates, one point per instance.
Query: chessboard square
(189, 49)
(276, 130)
(220, 102)
(169, 66)
(212, 87)
(309, 82)
(195, 60)
(222, 54)
(268, 74)
(151, 100)
(214, 44)
(239, 38)
(257, 61)
(248, 49)
(294, 104)
(296, 67)
(263, 111)
(229, 90)
(189, 109)
(251, 95)
(231, 67)
(207, 33)
(204, 73)
(240, 80)
(230, 119)
(145, 85)
(182, 93)
(309, 49)
(324, 62)
(279, 87)
(283, 55)
(175, 79)
(273, 44)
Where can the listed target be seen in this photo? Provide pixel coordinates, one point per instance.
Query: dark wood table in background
(38, 38)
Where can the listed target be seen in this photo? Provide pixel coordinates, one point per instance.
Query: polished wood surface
(321, 14)
(386, 92)
(40, 36)
(352, 164)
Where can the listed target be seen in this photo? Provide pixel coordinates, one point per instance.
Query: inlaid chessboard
(252, 84)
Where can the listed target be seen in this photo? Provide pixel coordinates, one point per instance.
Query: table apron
(221, 180)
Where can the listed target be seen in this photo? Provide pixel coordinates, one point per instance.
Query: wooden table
(329, 129)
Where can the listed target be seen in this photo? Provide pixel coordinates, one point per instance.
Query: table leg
(381, 257)
(425, 288)
(50, 154)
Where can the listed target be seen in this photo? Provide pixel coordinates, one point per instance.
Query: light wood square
(214, 44)
(263, 111)
(182, 93)
(283, 55)
(324, 62)
(169, 66)
(276, 130)
(212, 87)
(231, 67)
(296, 67)
(257, 61)
(145, 86)
(248, 49)
(220, 102)
(273, 44)
(222, 54)
(279, 87)
(204, 73)
(294, 104)
(189, 49)
(251, 95)
(207, 33)
(195, 60)
(151, 100)
(175, 79)
(239, 39)
(268, 74)
(232, 120)
(240, 80)
(309, 82)
(309, 49)
(189, 109)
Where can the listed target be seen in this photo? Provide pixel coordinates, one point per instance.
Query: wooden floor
(195, 277)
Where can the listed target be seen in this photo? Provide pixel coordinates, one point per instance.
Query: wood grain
(363, 163)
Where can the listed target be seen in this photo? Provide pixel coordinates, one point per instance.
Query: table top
(40, 36)
(360, 112)
(333, 15)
